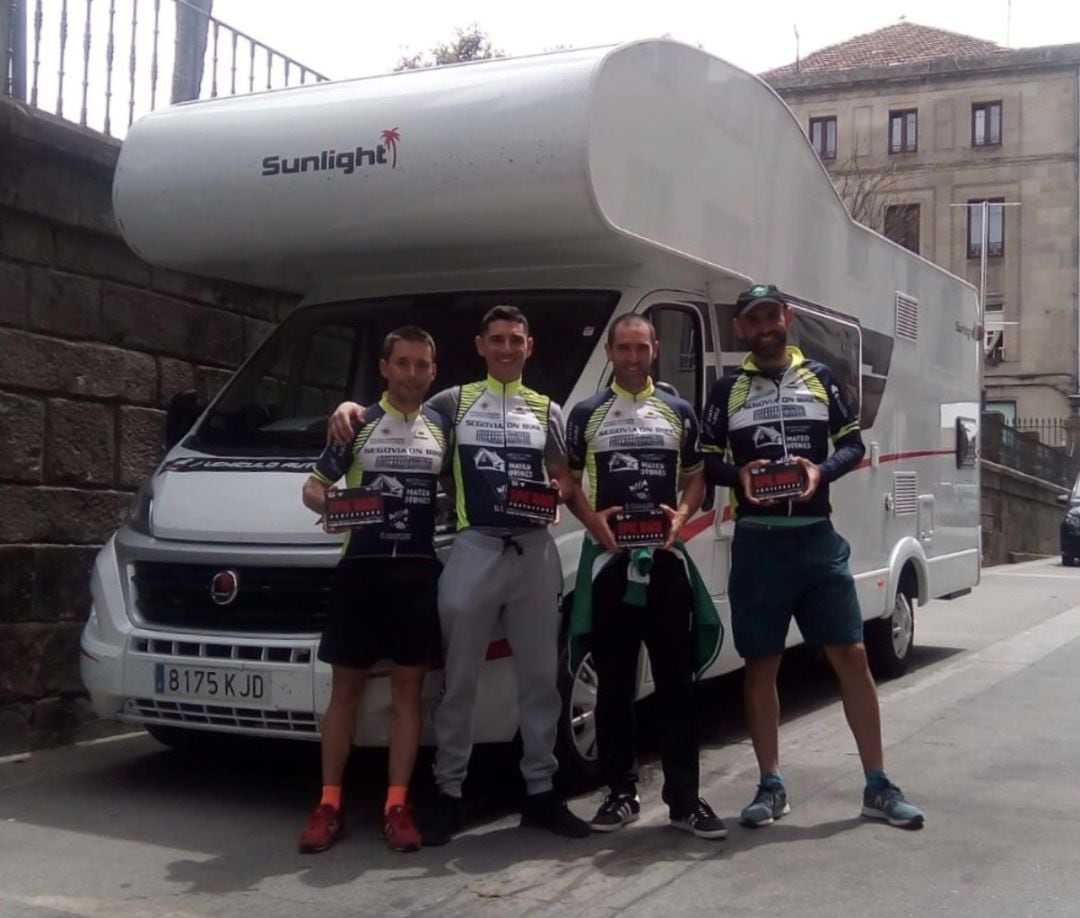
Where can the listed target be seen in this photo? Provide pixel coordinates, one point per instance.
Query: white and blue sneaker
(886, 801)
(769, 803)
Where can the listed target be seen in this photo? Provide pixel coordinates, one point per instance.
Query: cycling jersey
(634, 447)
(753, 415)
(403, 456)
(502, 432)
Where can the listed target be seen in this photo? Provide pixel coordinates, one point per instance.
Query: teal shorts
(780, 572)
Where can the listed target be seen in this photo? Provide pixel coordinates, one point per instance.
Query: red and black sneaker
(325, 827)
(400, 830)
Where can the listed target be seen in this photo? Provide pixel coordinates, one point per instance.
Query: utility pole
(13, 48)
(192, 26)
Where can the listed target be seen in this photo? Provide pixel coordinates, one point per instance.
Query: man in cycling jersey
(502, 567)
(639, 447)
(384, 593)
(778, 412)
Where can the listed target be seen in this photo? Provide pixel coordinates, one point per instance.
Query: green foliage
(470, 43)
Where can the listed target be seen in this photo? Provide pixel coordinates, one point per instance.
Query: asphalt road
(983, 732)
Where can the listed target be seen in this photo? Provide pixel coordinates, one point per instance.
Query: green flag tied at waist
(708, 635)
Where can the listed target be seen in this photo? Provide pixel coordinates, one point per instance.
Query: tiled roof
(903, 43)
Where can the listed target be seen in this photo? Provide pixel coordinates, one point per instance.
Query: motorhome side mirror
(184, 409)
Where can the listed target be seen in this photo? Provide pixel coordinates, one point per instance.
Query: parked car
(1070, 526)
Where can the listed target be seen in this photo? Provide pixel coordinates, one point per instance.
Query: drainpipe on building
(1076, 398)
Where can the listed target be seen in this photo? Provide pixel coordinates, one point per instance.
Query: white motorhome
(649, 177)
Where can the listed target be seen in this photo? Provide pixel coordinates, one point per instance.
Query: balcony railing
(1051, 431)
(101, 62)
(1023, 452)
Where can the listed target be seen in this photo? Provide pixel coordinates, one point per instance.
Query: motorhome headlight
(140, 511)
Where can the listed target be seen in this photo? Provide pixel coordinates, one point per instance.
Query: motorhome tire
(889, 640)
(575, 744)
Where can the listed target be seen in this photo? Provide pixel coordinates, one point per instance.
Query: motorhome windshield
(320, 356)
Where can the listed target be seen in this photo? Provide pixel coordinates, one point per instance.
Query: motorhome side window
(680, 360)
(830, 340)
(279, 401)
(834, 343)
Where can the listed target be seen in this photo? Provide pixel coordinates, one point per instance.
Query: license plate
(214, 684)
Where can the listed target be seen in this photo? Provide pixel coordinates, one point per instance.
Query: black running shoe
(616, 811)
(547, 811)
(700, 820)
(441, 820)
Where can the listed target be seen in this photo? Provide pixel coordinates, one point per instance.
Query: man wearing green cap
(775, 416)
(638, 444)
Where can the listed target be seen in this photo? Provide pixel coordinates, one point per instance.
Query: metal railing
(1023, 452)
(1051, 431)
(68, 56)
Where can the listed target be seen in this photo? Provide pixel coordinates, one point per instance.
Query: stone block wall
(1020, 515)
(93, 344)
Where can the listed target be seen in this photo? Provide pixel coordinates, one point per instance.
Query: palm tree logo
(391, 138)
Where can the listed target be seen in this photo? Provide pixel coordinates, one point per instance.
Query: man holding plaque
(765, 435)
(638, 446)
(509, 469)
(384, 593)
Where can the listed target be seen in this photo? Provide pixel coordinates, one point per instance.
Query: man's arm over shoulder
(848, 446)
(334, 461)
(446, 403)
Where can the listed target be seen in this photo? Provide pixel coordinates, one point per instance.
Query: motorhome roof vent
(905, 493)
(907, 317)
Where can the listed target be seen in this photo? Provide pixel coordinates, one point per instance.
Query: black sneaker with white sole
(616, 811)
(548, 811)
(700, 820)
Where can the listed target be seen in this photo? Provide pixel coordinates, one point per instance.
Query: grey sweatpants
(485, 580)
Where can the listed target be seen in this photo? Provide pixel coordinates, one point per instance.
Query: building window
(986, 124)
(1007, 409)
(902, 225)
(904, 131)
(995, 234)
(994, 332)
(823, 136)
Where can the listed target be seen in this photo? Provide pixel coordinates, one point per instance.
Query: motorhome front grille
(219, 598)
(907, 317)
(905, 493)
(217, 715)
(218, 650)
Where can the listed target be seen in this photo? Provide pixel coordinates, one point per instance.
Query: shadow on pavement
(239, 807)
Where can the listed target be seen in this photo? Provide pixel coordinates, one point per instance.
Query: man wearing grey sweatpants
(503, 567)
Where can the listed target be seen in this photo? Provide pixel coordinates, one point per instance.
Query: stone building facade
(93, 344)
(919, 120)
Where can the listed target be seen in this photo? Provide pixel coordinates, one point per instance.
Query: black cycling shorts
(383, 608)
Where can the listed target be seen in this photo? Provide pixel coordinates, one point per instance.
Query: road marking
(102, 908)
(115, 738)
(1026, 576)
(964, 678)
(1016, 652)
